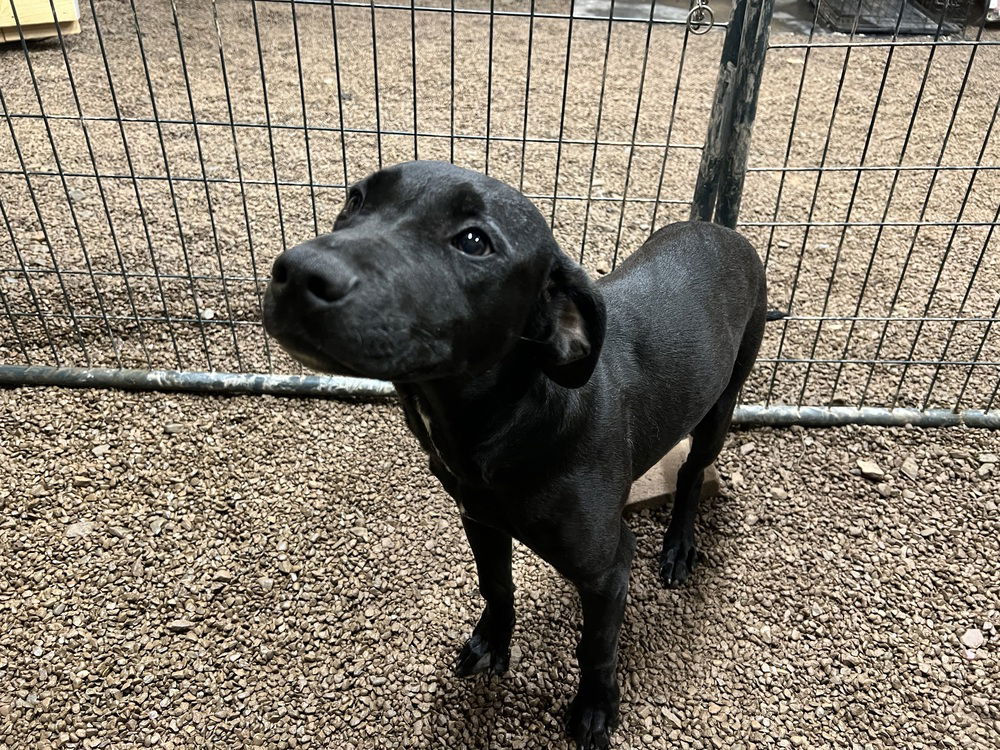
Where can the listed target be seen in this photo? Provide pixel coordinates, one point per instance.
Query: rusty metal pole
(751, 69)
(723, 162)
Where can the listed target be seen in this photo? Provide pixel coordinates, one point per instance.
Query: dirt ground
(858, 292)
(184, 571)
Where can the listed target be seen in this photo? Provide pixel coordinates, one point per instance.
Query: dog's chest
(438, 442)
(425, 420)
(431, 446)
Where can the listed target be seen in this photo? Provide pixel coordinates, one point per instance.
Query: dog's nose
(305, 271)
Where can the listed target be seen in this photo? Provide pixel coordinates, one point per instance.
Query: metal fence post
(751, 67)
(703, 202)
(723, 163)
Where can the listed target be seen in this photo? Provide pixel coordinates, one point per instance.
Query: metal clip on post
(700, 18)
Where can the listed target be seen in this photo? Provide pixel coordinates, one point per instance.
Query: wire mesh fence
(152, 166)
(874, 188)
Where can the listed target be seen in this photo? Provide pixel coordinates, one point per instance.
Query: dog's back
(681, 311)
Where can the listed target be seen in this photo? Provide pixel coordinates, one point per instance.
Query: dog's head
(433, 271)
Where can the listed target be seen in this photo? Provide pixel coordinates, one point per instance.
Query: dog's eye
(472, 242)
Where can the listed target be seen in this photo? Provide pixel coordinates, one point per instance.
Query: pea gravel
(183, 571)
(180, 571)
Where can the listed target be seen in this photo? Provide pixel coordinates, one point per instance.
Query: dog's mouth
(363, 364)
(315, 359)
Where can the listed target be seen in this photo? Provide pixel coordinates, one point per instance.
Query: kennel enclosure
(153, 165)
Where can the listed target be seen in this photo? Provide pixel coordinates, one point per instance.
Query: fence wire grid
(152, 167)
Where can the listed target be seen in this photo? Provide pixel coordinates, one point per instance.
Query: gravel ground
(185, 571)
(193, 571)
(213, 229)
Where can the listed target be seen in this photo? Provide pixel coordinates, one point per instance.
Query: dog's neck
(501, 421)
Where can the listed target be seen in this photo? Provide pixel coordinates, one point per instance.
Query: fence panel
(152, 167)
(874, 190)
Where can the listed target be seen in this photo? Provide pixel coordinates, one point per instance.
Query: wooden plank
(38, 31)
(657, 486)
(37, 13)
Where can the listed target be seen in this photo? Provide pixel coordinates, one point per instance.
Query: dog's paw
(677, 562)
(591, 722)
(479, 655)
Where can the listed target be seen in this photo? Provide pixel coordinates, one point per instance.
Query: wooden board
(36, 19)
(657, 486)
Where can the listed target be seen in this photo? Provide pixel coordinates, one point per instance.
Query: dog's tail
(775, 314)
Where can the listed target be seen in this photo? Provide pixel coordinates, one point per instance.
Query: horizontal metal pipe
(865, 224)
(326, 386)
(832, 416)
(322, 386)
(889, 43)
(577, 14)
(881, 168)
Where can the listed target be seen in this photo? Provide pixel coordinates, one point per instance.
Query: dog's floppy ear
(570, 323)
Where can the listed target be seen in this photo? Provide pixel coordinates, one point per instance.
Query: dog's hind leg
(489, 646)
(679, 550)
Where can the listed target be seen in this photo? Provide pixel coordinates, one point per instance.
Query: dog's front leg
(489, 646)
(593, 713)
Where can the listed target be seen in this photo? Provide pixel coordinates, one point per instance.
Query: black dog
(538, 395)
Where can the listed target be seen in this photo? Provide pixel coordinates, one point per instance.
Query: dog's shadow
(526, 707)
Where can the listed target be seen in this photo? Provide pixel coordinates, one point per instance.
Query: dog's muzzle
(307, 277)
